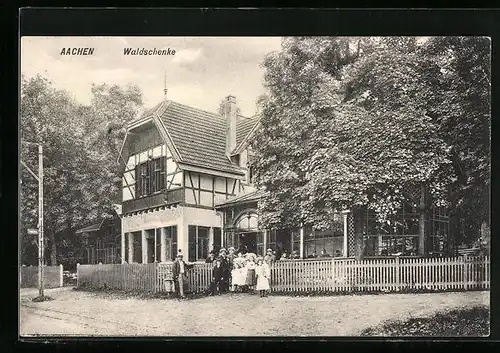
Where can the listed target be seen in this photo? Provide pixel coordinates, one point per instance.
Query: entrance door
(248, 240)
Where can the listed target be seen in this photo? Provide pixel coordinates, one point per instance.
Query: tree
(447, 79)
(79, 157)
(303, 83)
(353, 122)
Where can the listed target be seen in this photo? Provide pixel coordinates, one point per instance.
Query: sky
(202, 72)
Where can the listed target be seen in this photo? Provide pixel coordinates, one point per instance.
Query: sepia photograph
(333, 186)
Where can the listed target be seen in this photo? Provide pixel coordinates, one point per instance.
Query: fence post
(61, 282)
(333, 275)
(398, 284)
(466, 275)
(156, 278)
(77, 274)
(99, 269)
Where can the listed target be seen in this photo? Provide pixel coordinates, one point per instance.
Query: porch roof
(91, 228)
(242, 199)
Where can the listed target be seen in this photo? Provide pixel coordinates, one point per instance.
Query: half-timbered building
(180, 162)
(187, 185)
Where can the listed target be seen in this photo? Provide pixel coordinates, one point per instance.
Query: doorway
(247, 241)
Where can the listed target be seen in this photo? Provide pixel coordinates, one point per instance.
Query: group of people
(233, 271)
(240, 272)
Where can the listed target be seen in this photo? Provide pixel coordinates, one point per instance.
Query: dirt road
(82, 313)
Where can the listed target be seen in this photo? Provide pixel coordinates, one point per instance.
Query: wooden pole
(40, 221)
(346, 234)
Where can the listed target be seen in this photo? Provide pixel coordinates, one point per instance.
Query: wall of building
(156, 219)
(182, 217)
(207, 190)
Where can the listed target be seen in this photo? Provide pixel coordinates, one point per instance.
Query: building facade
(187, 185)
(180, 162)
(101, 241)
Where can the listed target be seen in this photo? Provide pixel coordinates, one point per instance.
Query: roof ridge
(198, 109)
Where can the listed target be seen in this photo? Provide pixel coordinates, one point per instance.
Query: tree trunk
(51, 242)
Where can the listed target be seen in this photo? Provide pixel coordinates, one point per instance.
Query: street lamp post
(41, 247)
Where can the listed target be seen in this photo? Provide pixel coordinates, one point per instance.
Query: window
(327, 243)
(398, 235)
(172, 236)
(150, 177)
(217, 233)
(198, 243)
(157, 255)
(296, 240)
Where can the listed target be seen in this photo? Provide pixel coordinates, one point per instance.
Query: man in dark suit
(179, 271)
(217, 277)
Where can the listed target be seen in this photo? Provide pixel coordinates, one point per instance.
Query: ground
(89, 313)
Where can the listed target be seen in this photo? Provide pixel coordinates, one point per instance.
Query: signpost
(41, 243)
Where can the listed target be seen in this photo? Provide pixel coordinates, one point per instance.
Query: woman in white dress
(263, 273)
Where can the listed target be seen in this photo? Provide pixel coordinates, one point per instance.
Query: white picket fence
(381, 275)
(325, 275)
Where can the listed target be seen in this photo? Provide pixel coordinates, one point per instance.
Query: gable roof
(91, 228)
(199, 136)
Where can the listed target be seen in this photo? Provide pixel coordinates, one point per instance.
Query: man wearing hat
(179, 269)
(226, 272)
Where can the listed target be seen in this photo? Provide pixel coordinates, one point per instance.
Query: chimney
(230, 115)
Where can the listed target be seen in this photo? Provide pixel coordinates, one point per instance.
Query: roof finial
(165, 90)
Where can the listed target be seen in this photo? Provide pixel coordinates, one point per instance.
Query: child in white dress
(263, 273)
(238, 280)
(250, 275)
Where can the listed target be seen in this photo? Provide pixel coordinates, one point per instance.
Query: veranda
(418, 228)
(336, 275)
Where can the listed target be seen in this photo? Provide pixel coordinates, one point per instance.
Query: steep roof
(253, 196)
(199, 136)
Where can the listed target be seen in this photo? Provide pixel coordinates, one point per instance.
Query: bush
(471, 322)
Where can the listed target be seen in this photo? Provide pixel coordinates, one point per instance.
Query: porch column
(421, 235)
(163, 245)
(130, 248)
(122, 255)
(156, 255)
(265, 241)
(144, 246)
(211, 238)
(301, 249)
(346, 233)
(182, 240)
